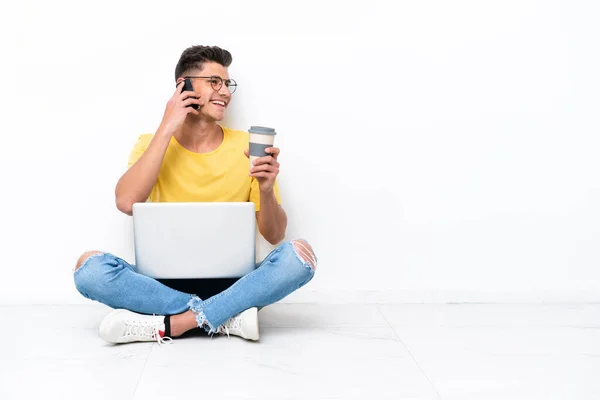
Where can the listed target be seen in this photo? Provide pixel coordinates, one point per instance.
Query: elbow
(275, 239)
(125, 206)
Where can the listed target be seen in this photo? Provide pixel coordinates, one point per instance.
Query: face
(215, 102)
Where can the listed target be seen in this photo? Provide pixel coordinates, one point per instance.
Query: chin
(218, 117)
(214, 117)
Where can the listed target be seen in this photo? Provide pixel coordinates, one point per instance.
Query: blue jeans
(112, 281)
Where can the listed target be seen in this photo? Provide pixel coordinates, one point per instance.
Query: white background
(431, 150)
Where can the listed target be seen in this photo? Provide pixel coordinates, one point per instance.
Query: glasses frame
(228, 82)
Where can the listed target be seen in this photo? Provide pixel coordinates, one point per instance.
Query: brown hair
(194, 58)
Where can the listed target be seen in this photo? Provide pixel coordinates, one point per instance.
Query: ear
(179, 80)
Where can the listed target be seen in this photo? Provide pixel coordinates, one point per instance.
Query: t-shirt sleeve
(138, 149)
(255, 193)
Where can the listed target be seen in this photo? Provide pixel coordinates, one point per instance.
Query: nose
(224, 91)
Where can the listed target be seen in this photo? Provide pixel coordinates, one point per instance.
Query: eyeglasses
(217, 82)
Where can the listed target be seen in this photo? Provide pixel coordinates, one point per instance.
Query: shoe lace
(233, 324)
(142, 329)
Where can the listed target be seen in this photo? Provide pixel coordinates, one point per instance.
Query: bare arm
(137, 182)
(271, 219)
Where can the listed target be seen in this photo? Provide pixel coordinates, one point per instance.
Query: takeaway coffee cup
(261, 138)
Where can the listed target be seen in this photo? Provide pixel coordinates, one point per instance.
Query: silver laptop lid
(194, 240)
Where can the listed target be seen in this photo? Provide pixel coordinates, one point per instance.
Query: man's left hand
(265, 169)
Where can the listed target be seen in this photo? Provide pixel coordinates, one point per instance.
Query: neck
(200, 135)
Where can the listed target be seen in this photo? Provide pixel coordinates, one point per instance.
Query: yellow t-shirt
(220, 175)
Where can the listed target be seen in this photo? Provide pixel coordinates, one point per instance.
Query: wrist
(267, 192)
(164, 131)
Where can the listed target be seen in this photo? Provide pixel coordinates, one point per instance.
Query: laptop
(194, 240)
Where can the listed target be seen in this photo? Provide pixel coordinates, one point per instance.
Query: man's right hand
(177, 109)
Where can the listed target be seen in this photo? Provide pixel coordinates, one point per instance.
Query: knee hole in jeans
(305, 252)
(84, 257)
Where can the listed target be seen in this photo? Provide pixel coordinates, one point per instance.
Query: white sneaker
(245, 325)
(124, 326)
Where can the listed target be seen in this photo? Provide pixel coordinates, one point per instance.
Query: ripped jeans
(110, 280)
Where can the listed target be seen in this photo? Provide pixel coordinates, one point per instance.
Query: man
(193, 158)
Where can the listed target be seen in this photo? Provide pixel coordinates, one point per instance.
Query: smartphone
(187, 85)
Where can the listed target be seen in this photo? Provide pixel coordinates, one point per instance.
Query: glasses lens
(231, 84)
(216, 82)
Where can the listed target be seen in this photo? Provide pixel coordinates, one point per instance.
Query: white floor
(309, 351)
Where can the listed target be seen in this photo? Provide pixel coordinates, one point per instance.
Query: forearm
(272, 220)
(136, 184)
